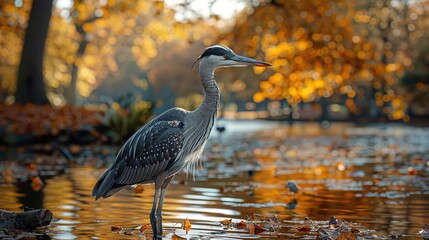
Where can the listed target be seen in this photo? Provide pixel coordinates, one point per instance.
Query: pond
(374, 179)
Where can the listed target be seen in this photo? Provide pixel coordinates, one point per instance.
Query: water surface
(375, 177)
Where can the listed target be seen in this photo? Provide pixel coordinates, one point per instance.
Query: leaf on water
(36, 183)
(346, 236)
(31, 166)
(226, 223)
(304, 229)
(412, 171)
(115, 228)
(145, 227)
(8, 177)
(241, 225)
(260, 229)
(187, 225)
(177, 237)
(138, 189)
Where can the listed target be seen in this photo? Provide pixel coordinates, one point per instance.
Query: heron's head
(222, 56)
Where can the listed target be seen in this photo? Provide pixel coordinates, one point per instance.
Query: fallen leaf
(177, 237)
(241, 225)
(346, 236)
(412, 171)
(115, 228)
(31, 166)
(226, 222)
(7, 175)
(187, 225)
(36, 183)
(145, 227)
(138, 189)
(260, 229)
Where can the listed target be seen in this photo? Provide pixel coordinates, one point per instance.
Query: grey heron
(172, 141)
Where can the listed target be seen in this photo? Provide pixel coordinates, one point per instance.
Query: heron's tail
(104, 185)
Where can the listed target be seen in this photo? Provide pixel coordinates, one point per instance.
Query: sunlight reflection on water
(360, 176)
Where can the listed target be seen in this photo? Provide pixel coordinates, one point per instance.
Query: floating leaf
(36, 183)
(7, 175)
(138, 189)
(177, 237)
(115, 228)
(241, 225)
(145, 227)
(187, 225)
(259, 229)
(226, 222)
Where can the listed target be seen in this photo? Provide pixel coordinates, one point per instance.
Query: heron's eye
(225, 56)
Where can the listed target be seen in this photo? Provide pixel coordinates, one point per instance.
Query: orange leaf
(145, 227)
(115, 228)
(31, 166)
(187, 225)
(177, 237)
(36, 183)
(138, 189)
(226, 221)
(259, 229)
(241, 225)
(7, 174)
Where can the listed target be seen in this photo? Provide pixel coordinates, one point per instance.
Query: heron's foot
(159, 226)
(153, 225)
(157, 237)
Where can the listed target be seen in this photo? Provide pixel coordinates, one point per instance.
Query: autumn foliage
(45, 120)
(352, 53)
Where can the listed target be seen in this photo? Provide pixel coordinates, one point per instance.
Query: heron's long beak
(250, 61)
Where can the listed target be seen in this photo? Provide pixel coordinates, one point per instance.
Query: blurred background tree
(367, 57)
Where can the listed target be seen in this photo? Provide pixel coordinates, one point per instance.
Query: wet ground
(373, 179)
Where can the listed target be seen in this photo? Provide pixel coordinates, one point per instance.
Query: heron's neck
(211, 91)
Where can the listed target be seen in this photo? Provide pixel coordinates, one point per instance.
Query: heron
(172, 141)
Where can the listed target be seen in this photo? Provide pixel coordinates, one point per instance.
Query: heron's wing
(149, 151)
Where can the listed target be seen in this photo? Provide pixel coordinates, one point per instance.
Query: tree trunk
(30, 83)
(70, 92)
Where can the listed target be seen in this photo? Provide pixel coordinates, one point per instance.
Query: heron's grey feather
(144, 149)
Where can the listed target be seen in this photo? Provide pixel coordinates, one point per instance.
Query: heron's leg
(152, 215)
(161, 202)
